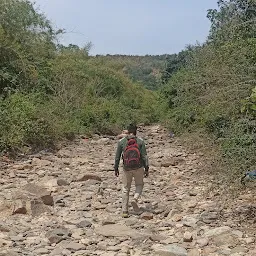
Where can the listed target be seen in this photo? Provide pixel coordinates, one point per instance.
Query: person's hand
(146, 172)
(116, 172)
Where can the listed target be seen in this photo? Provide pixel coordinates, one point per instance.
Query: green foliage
(26, 46)
(249, 104)
(49, 92)
(239, 144)
(140, 69)
(175, 63)
(234, 20)
(207, 92)
(21, 124)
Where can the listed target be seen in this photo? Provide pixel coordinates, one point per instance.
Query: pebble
(188, 237)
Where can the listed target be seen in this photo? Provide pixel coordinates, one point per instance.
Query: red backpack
(131, 155)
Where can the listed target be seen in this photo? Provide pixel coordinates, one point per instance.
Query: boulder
(169, 250)
(217, 231)
(19, 207)
(36, 208)
(37, 192)
(116, 230)
(147, 216)
(187, 237)
(88, 177)
(57, 235)
(40, 162)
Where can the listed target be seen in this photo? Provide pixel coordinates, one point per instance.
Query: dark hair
(132, 128)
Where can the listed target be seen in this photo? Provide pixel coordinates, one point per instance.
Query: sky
(133, 27)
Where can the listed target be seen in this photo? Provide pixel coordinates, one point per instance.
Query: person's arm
(144, 159)
(144, 155)
(118, 155)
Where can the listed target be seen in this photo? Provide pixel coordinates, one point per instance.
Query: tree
(235, 19)
(27, 42)
(175, 62)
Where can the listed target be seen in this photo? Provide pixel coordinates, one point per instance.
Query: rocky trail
(69, 203)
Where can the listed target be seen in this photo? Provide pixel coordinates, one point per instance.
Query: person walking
(135, 165)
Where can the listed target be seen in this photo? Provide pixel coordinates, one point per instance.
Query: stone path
(69, 203)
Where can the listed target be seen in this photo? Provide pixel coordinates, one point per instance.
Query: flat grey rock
(170, 250)
(116, 230)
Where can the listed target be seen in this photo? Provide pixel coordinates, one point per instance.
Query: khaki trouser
(138, 175)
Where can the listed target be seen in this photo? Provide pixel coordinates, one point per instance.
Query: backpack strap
(127, 140)
(126, 143)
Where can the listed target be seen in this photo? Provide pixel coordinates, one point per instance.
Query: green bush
(213, 91)
(49, 92)
(21, 125)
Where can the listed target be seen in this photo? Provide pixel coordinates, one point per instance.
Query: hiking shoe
(135, 206)
(125, 215)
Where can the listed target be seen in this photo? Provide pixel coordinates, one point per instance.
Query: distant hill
(146, 70)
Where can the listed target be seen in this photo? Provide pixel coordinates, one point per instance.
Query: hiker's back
(132, 154)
